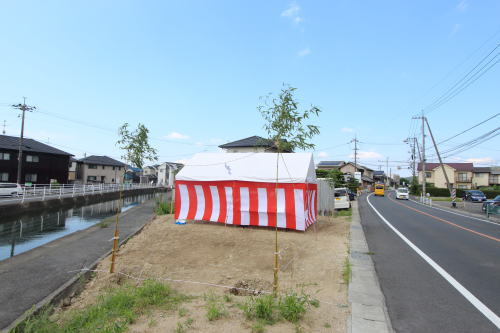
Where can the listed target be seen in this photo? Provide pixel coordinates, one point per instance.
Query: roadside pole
(452, 192)
(23, 107)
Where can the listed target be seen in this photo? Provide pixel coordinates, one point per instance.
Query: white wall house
(166, 173)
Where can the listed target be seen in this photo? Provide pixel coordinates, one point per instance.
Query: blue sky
(193, 72)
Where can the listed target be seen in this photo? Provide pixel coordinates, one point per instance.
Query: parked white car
(402, 193)
(10, 189)
(342, 198)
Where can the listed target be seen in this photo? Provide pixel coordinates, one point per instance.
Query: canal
(28, 231)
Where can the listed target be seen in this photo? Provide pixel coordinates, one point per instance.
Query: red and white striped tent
(240, 189)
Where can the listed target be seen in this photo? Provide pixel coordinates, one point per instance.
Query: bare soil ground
(232, 256)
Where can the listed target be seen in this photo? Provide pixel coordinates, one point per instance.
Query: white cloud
(347, 129)
(176, 135)
(369, 155)
(480, 160)
(322, 154)
(292, 12)
(456, 28)
(462, 6)
(304, 52)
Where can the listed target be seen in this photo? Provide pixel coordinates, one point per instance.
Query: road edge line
(367, 302)
(490, 315)
(459, 214)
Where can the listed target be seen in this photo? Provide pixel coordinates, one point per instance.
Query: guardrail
(492, 210)
(46, 191)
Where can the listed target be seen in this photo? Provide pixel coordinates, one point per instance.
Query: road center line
(446, 221)
(490, 315)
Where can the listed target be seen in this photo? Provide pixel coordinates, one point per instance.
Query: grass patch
(113, 311)
(258, 327)
(163, 208)
(345, 212)
(370, 253)
(327, 325)
(215, 308)
(267, 310)
(347, 271)
(183, 327)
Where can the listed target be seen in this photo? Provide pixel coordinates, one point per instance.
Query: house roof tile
(101, 160)
(29, 145)
(456, 166)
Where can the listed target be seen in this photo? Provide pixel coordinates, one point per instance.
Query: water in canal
(25, 232)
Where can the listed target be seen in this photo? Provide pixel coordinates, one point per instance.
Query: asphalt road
(419, 298)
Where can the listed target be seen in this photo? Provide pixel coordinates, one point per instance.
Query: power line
(464, 82)
(494, 116)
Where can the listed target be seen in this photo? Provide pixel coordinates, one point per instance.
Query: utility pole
(23, 107)
(355, 140)
(423, 152)
(3, 132)
(442, 165)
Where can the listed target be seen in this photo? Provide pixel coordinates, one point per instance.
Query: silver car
(402, 193)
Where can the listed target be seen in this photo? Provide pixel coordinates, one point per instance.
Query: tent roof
(253, 167)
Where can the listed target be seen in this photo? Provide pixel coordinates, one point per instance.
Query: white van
(10, 189)
(402, 193)
(342, 198)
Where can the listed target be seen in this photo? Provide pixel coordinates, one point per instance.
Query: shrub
(293, 307)
(215, 308)
(163, 208)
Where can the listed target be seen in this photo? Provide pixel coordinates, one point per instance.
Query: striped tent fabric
(290, 205)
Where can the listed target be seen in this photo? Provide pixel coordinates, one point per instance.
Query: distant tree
(336, 178)
(284, 124)
(136, 145)
(353, 184)
(321, 173)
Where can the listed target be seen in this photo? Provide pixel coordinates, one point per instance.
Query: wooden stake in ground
(116, 237)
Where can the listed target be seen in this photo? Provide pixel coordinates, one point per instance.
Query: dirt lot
(226, 256)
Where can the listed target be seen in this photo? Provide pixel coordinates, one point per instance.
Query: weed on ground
(112, 312)
(347, 272)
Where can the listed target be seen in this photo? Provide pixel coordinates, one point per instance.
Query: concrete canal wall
(13, 209)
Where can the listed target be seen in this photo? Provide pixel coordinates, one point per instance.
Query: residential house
(150, 174)
(42, 164)
(329, 165)
(132, 174)
(253, 144)
(166, 173)
(494, 178)
(379, 176)
(459, 174)
(73, 162)
(481, 176)
(365, 174)
(100, 169)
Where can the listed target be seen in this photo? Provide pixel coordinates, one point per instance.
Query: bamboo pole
(116, 234)
(276, 263)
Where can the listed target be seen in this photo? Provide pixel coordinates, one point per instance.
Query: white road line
(461, 289)
(447, 211)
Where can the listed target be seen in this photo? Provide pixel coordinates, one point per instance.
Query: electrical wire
(469, 78)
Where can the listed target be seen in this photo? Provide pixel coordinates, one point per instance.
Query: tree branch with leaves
(285, 126)
(136, 145)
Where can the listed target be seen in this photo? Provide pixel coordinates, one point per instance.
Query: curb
(73, 286)
(368, 309)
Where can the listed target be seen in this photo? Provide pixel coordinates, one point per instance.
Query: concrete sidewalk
(368, 308)
(30, 277)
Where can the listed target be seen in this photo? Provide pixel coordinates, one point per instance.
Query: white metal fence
(45, 191)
